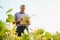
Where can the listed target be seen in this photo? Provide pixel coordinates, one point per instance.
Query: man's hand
(17, 21)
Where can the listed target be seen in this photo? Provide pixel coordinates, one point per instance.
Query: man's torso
(19, 16)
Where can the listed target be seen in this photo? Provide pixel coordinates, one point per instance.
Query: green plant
(10, 18)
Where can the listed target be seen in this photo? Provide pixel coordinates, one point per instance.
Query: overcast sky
(44, 13)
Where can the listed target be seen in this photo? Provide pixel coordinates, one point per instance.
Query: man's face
(22, 8)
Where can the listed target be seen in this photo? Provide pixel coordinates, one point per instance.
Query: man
(18, 18)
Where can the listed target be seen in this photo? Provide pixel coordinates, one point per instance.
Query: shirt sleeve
(15, 16)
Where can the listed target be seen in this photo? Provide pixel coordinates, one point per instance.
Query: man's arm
(17, 21)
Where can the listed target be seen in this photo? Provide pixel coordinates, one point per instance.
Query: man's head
(22, 8)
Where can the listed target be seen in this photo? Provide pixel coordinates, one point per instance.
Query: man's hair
(22, 6)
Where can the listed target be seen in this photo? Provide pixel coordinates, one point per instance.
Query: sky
(44, 13)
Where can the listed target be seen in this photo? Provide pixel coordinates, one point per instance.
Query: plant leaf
(9, 10)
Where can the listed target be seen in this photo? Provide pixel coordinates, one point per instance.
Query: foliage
(9, 10)
(56, 36)
(10, 18)
(39, 31)
(48, 35)
(36, 35)
(3, 30)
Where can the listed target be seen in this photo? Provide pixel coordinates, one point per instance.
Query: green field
(37, 34)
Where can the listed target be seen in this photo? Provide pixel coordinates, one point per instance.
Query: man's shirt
(19, 15)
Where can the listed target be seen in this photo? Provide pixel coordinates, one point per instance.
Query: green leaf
(1, 38)
(48, 35)
(0, 28)
(39, 32)
(10, 18)
(9, 10)
(24, 36)
(56, 36)
(1, 25)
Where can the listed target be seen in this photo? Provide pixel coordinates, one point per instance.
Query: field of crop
(38, 34)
